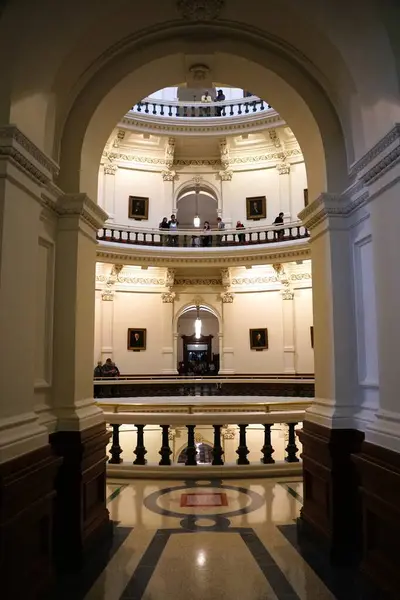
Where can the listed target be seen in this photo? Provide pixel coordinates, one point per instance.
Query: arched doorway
(198, 345)
(196, 202)
(203, 455)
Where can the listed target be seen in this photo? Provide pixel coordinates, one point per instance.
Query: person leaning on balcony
(279, 221)
(206, 99)
(220, 97)
(173, 225)
(221, 227)
(164, 225)
(206, 237)
(241, 236)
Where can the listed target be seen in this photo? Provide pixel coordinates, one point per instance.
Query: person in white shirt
(206, 99)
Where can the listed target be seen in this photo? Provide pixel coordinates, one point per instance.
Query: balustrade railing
(196, 238)
(246, 437)
(180, 109)
(299, 387)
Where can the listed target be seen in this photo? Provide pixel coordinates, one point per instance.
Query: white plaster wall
(283, 192)
(137, 310)
(251, 311)
(303, 321)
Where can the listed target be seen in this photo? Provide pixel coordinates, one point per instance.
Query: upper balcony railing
(197, 238)
(179, 109)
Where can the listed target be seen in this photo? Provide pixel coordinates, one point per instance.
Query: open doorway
(198, 350)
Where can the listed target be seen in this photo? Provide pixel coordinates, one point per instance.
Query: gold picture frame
(256, 208)
(137, 338)
(259, 339)
(138, 208)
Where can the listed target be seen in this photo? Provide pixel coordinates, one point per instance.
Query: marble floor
(211, 539)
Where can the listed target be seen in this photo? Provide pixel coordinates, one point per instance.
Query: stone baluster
(191, 451)
(165, 451)
(140, 450)
(116, 449)
(267, 450)
(242, 450)
(217, 451)
(291, 448)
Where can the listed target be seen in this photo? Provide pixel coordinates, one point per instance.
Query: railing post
(291, 448)
(165, 451)
(140, 450)
(267, 450)
(242, 450)
(115, 450)
(191, 450)
(217, 450)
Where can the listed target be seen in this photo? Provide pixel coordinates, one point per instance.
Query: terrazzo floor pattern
(208, 540)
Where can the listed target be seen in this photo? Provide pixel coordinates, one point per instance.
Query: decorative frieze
(200, 10)
(197, 281)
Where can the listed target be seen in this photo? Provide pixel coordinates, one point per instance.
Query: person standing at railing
(221, 227)
(220, 97)
(206, 99)
(173, 225)
(278, 222)
(206, 237)
(164, 225)
(241, 236)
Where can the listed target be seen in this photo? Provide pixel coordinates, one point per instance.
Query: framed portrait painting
(138, 208)
(256, 208)
(136, 339)
(259, 339)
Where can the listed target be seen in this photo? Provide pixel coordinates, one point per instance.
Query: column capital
(82, 207)
(168, 297)
(227, 297)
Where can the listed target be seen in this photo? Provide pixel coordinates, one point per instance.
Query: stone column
(27, 466)
(329, 437)
(81, 516)
(169, 357)
(289, 349)
(283, 169)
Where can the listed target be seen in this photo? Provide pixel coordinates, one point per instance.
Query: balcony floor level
(211, 539)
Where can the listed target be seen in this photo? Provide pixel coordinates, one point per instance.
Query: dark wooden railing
(213, 386)
(196, 239)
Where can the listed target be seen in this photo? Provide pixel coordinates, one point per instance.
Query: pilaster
(169, 357)
(289, 348)
(283, 169)
(334, 320)
(110, 176)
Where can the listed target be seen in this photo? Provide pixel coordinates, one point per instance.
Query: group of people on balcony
(206, 99)
(205, 239)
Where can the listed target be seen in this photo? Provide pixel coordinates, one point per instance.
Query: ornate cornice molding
(81, 206)
(190, 125)
(325, 206)
(26, 156)
(237, 257)
(392, 137)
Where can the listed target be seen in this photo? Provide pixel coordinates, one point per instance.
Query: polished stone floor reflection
(216, 539)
